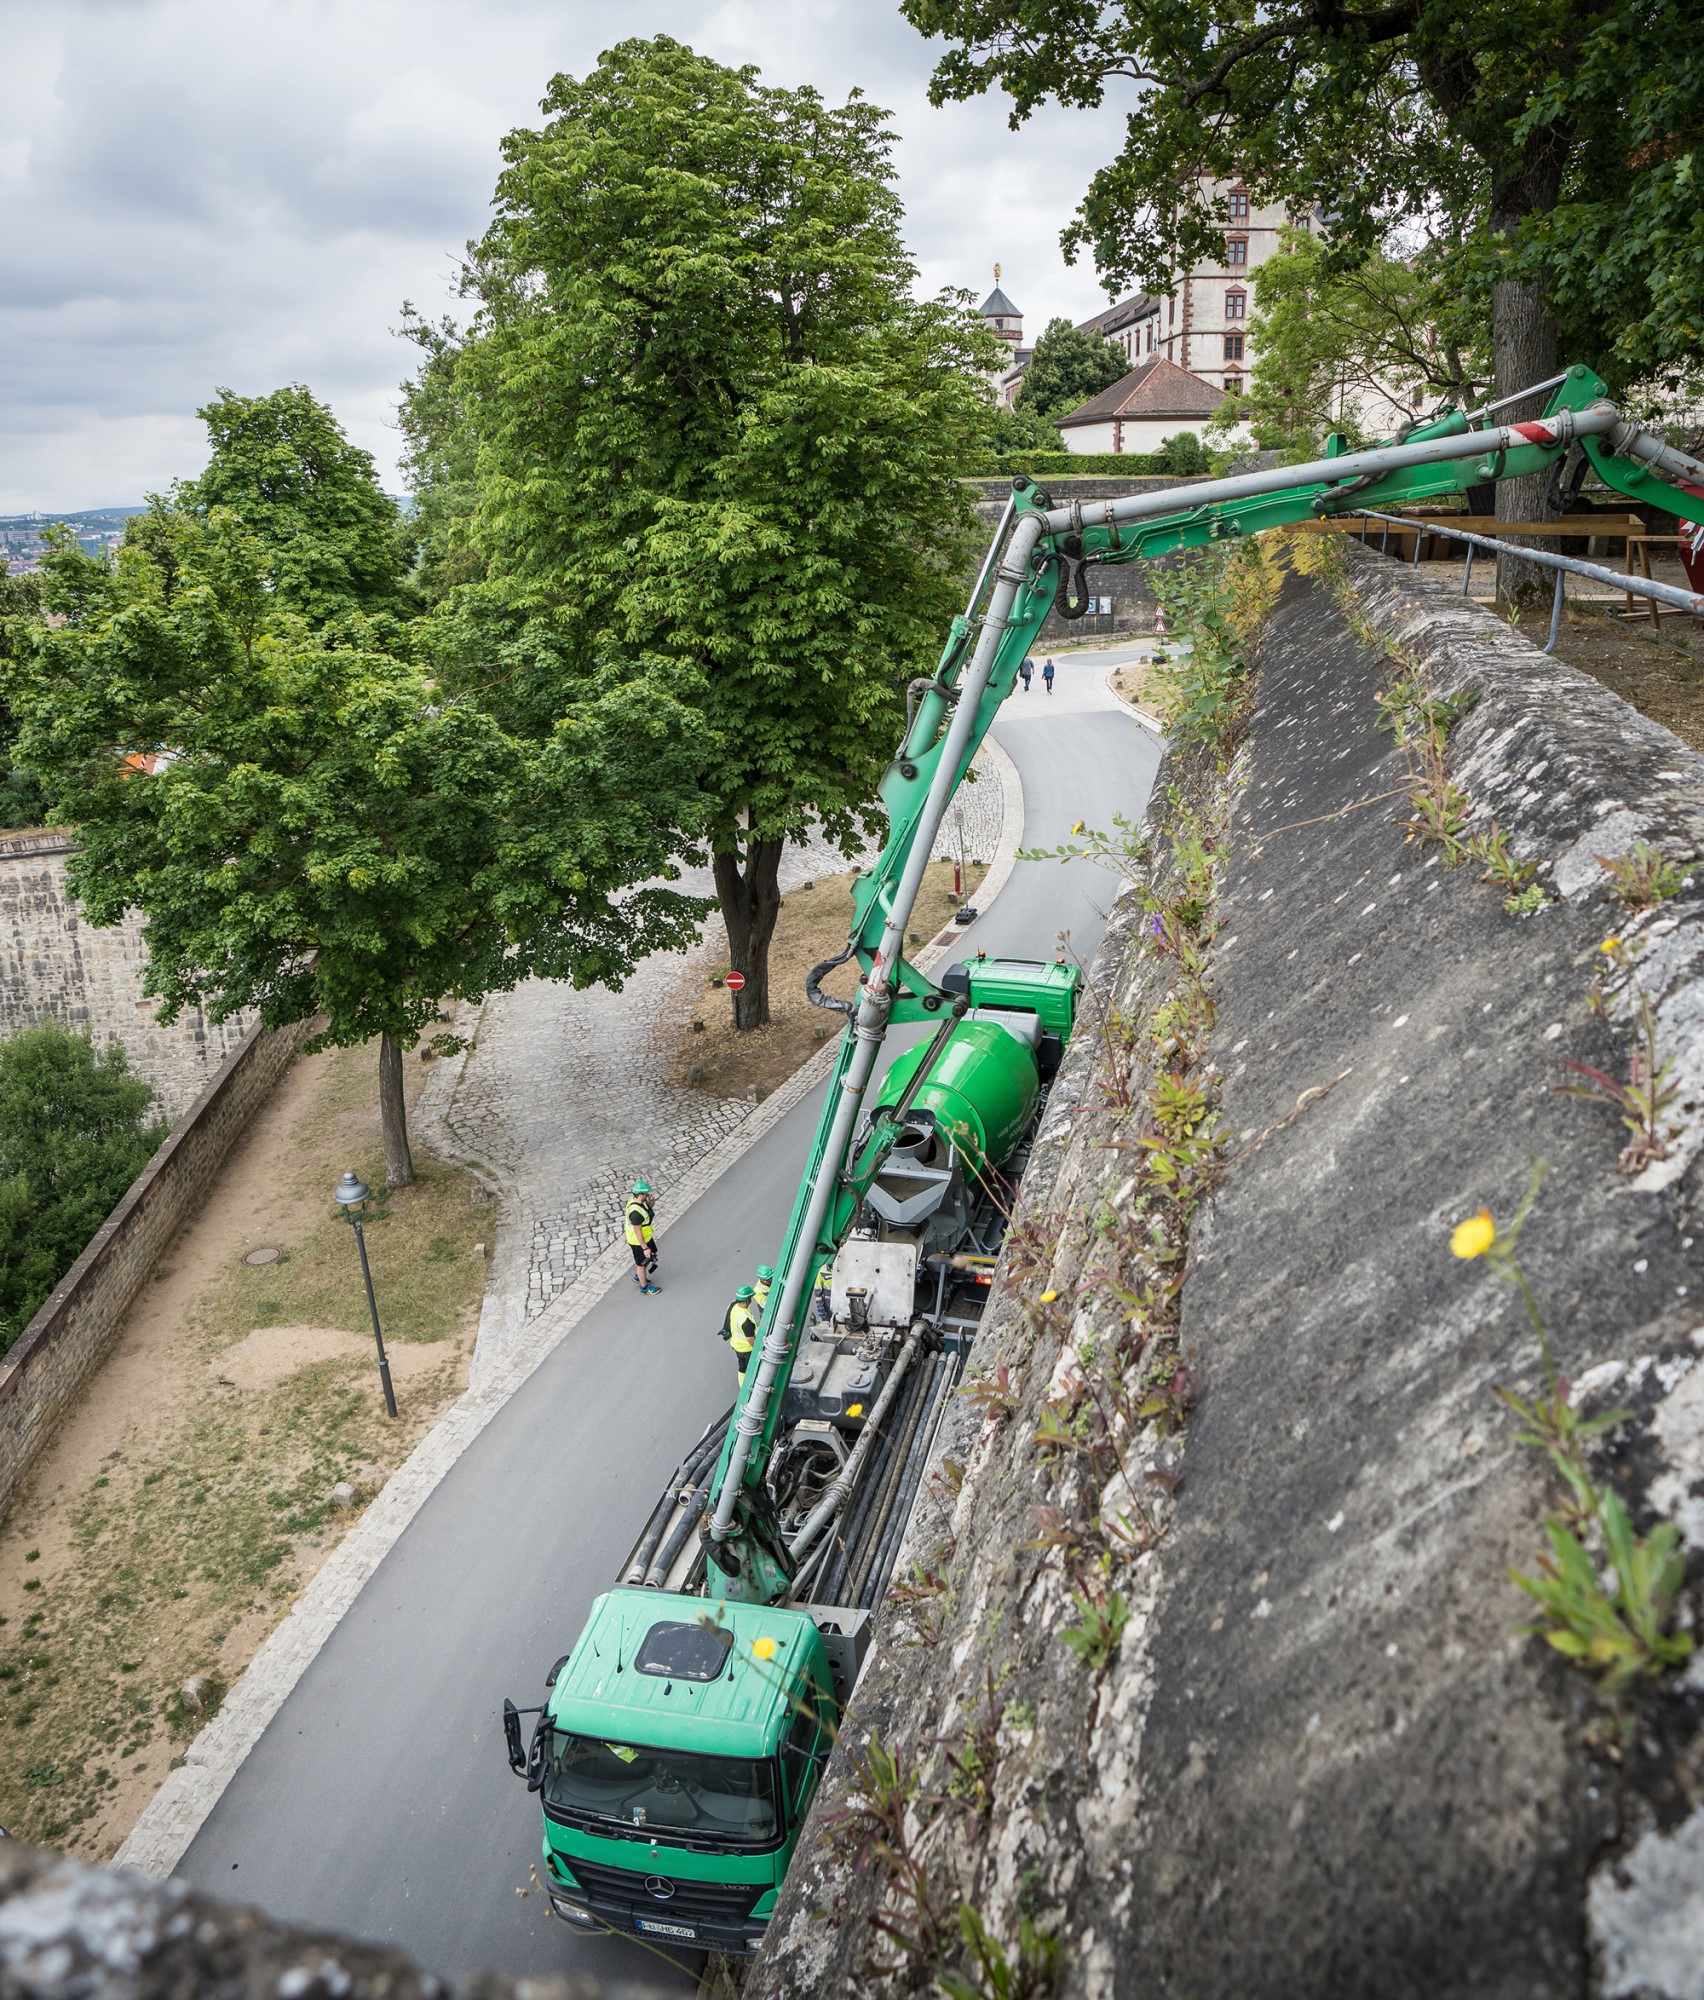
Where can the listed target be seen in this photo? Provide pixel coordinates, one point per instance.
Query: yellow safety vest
(638, 1223)
(759, 1297)
(742, 1328)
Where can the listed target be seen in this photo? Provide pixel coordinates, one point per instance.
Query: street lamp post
(351, 1196)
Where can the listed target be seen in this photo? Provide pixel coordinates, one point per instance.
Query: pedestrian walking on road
(1047, 676)
(637, 1227)
(1027, 673)
(739, 1330)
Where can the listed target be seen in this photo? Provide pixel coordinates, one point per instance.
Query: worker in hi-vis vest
(641, 1236)
(760, 1288)
(740, 1329)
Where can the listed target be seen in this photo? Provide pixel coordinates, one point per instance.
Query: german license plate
(666, 1930)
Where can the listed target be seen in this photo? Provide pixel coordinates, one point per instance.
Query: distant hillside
(93, 517)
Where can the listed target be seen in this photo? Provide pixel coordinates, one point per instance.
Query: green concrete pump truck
(682, 1738)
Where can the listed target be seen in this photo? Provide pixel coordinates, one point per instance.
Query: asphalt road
(379, 1802)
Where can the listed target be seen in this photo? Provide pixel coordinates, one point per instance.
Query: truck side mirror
(512, 1737)
(550, 1678)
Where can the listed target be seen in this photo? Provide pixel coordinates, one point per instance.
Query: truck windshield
(731, 1799)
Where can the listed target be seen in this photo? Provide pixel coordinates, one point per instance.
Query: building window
(1152, 326)
(1233, 347)
(1236, 305)
(1233, 385)
(1239, 206)
(1236, 250)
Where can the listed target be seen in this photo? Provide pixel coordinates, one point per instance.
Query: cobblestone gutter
(1319, 1756)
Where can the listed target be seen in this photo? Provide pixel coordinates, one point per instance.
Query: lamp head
(351, 1191)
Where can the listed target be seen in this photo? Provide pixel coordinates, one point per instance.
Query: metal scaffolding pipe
(1664, 593)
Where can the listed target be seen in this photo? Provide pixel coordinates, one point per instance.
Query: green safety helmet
(765, 1274)
(641, 1187)
(745, 1292)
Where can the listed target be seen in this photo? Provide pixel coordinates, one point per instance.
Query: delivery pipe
(1354, 466)
(870, 1023)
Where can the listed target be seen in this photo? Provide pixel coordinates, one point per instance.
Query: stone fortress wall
(55, 965)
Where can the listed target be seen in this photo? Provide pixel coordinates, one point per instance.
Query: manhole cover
(264, 1255)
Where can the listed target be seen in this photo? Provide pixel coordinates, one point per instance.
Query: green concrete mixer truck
(682, 1738)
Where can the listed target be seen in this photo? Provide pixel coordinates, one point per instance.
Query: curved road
(378, 1802)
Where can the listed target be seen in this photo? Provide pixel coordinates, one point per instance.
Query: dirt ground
(813, 925)
(187, 1500)
(1134, 684)
(1661, 673)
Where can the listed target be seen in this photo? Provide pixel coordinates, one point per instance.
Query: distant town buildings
(1199, 329)
(98, 532)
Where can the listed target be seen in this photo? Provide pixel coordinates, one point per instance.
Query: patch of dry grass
(178, 1515)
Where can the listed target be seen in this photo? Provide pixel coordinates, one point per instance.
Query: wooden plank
(1616, 526)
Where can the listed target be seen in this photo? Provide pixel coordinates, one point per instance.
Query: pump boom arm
(1039, 556)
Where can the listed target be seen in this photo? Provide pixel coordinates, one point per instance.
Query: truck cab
(676, 1758)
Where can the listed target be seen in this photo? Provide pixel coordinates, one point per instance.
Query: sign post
(735, 983)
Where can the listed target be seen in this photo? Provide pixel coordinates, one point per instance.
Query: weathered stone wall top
(53, 965)
(72, 1932)
(1322, 1757)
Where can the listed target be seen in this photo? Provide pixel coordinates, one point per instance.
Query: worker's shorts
(644, 1255)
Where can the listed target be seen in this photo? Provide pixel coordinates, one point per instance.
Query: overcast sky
(240, 193)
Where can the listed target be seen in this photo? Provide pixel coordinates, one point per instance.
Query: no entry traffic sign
(735, 982)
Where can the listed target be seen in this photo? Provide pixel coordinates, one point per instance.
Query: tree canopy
(323, 831)
(1066, 369)
(73, 1136)
(714, 427)
(1559, 137)
(1345, 350)
(281, 464)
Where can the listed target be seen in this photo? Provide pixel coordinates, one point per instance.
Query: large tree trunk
(1523, 345)
(393, 1116)
(748, 889)
(1523, 351)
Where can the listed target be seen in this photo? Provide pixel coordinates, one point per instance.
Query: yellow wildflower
(1078, 827)
(1611, 944)
(763, 1649)
(1475, 1236)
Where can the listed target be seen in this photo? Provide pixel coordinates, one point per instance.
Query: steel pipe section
(1562, 428)
(1664, 593)
(872, 1017)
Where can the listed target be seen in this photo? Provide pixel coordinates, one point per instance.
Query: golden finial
(996, 274)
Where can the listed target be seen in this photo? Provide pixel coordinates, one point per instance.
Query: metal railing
(1564, 566)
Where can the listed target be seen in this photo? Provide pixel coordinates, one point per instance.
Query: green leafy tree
(1019, 435)
(1344, 350)
(22, 800)
(334, 542)
(1563, 135)
(1066, 369)
(1182, 454)
(325, 832)
(715, 427)
(73, 1136)
(439, 460)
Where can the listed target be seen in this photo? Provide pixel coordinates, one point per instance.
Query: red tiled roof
(1155, 387)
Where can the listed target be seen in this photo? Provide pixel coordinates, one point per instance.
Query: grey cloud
(194, 194)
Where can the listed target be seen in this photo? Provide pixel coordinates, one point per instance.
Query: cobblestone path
(564, 1098)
